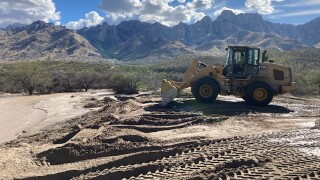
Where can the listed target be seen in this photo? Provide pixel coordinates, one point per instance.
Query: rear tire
(259, 94)
(205, 90)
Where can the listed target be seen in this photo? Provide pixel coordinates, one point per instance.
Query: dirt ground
(132, 137)
(23, 115)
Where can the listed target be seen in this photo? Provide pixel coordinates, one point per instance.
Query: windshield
(229, 57)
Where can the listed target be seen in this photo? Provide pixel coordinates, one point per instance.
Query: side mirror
(264, 56)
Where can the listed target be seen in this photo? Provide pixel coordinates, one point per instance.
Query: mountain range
(133, 40)
(41, 40)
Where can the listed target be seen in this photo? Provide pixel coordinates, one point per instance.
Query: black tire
(259, 94)
(205, 90)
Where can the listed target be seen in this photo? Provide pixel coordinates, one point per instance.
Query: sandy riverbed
(25, 115)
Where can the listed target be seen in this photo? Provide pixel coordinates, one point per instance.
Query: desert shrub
(125, 83)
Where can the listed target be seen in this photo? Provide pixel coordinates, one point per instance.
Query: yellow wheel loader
(243, 75)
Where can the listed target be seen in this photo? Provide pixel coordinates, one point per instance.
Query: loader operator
(239, 64)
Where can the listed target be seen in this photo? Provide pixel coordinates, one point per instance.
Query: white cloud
(92, 19)
(166, 14)
(154, 10)
(261, 6)
(120, 6)
(27, 11)
(181, 1)
(299, 13)
(119, 10)
(199, 16)
(305, 3)
(200, 4)
(235, 11)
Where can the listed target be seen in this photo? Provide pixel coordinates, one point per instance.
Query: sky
(75, 14)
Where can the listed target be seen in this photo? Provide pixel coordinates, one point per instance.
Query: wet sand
(25, 115)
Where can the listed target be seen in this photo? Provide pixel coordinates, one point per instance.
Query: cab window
(229, 57)
(253, 57)
(253, 61)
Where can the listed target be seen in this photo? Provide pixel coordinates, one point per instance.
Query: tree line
(37, 78)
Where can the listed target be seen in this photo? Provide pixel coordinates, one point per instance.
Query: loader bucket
(168, 92)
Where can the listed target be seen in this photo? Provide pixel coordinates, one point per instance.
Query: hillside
(41, 40)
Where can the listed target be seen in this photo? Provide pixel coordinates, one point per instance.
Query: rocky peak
(158, 24)
(205, 20)
(33, 27)
(180, 25)
(249, 21)
(227, 15)
(248, 18)
(131, 23)
(14, 26)
(105, 24)
(204, 26)
(253, 17)
(38, 25)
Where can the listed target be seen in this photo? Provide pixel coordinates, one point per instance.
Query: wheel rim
(205, 91)
(260, 94)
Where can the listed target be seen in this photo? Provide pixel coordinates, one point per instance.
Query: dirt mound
(121, 107)
(93, 143)
(317, 124)
(94, 103)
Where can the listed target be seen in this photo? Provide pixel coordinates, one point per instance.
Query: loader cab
(241, 62)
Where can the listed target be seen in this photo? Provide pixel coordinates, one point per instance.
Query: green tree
(86, 78)
(31, 79)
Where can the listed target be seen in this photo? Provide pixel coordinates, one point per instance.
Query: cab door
(252, 66)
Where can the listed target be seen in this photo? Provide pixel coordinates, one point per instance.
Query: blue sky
(84, 13)
(73, 10)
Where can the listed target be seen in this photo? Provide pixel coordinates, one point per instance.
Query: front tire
(205, 90)
(259, 94)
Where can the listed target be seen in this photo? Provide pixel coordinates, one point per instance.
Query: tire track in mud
(241, 158)
(261, 157)
(104, 146)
